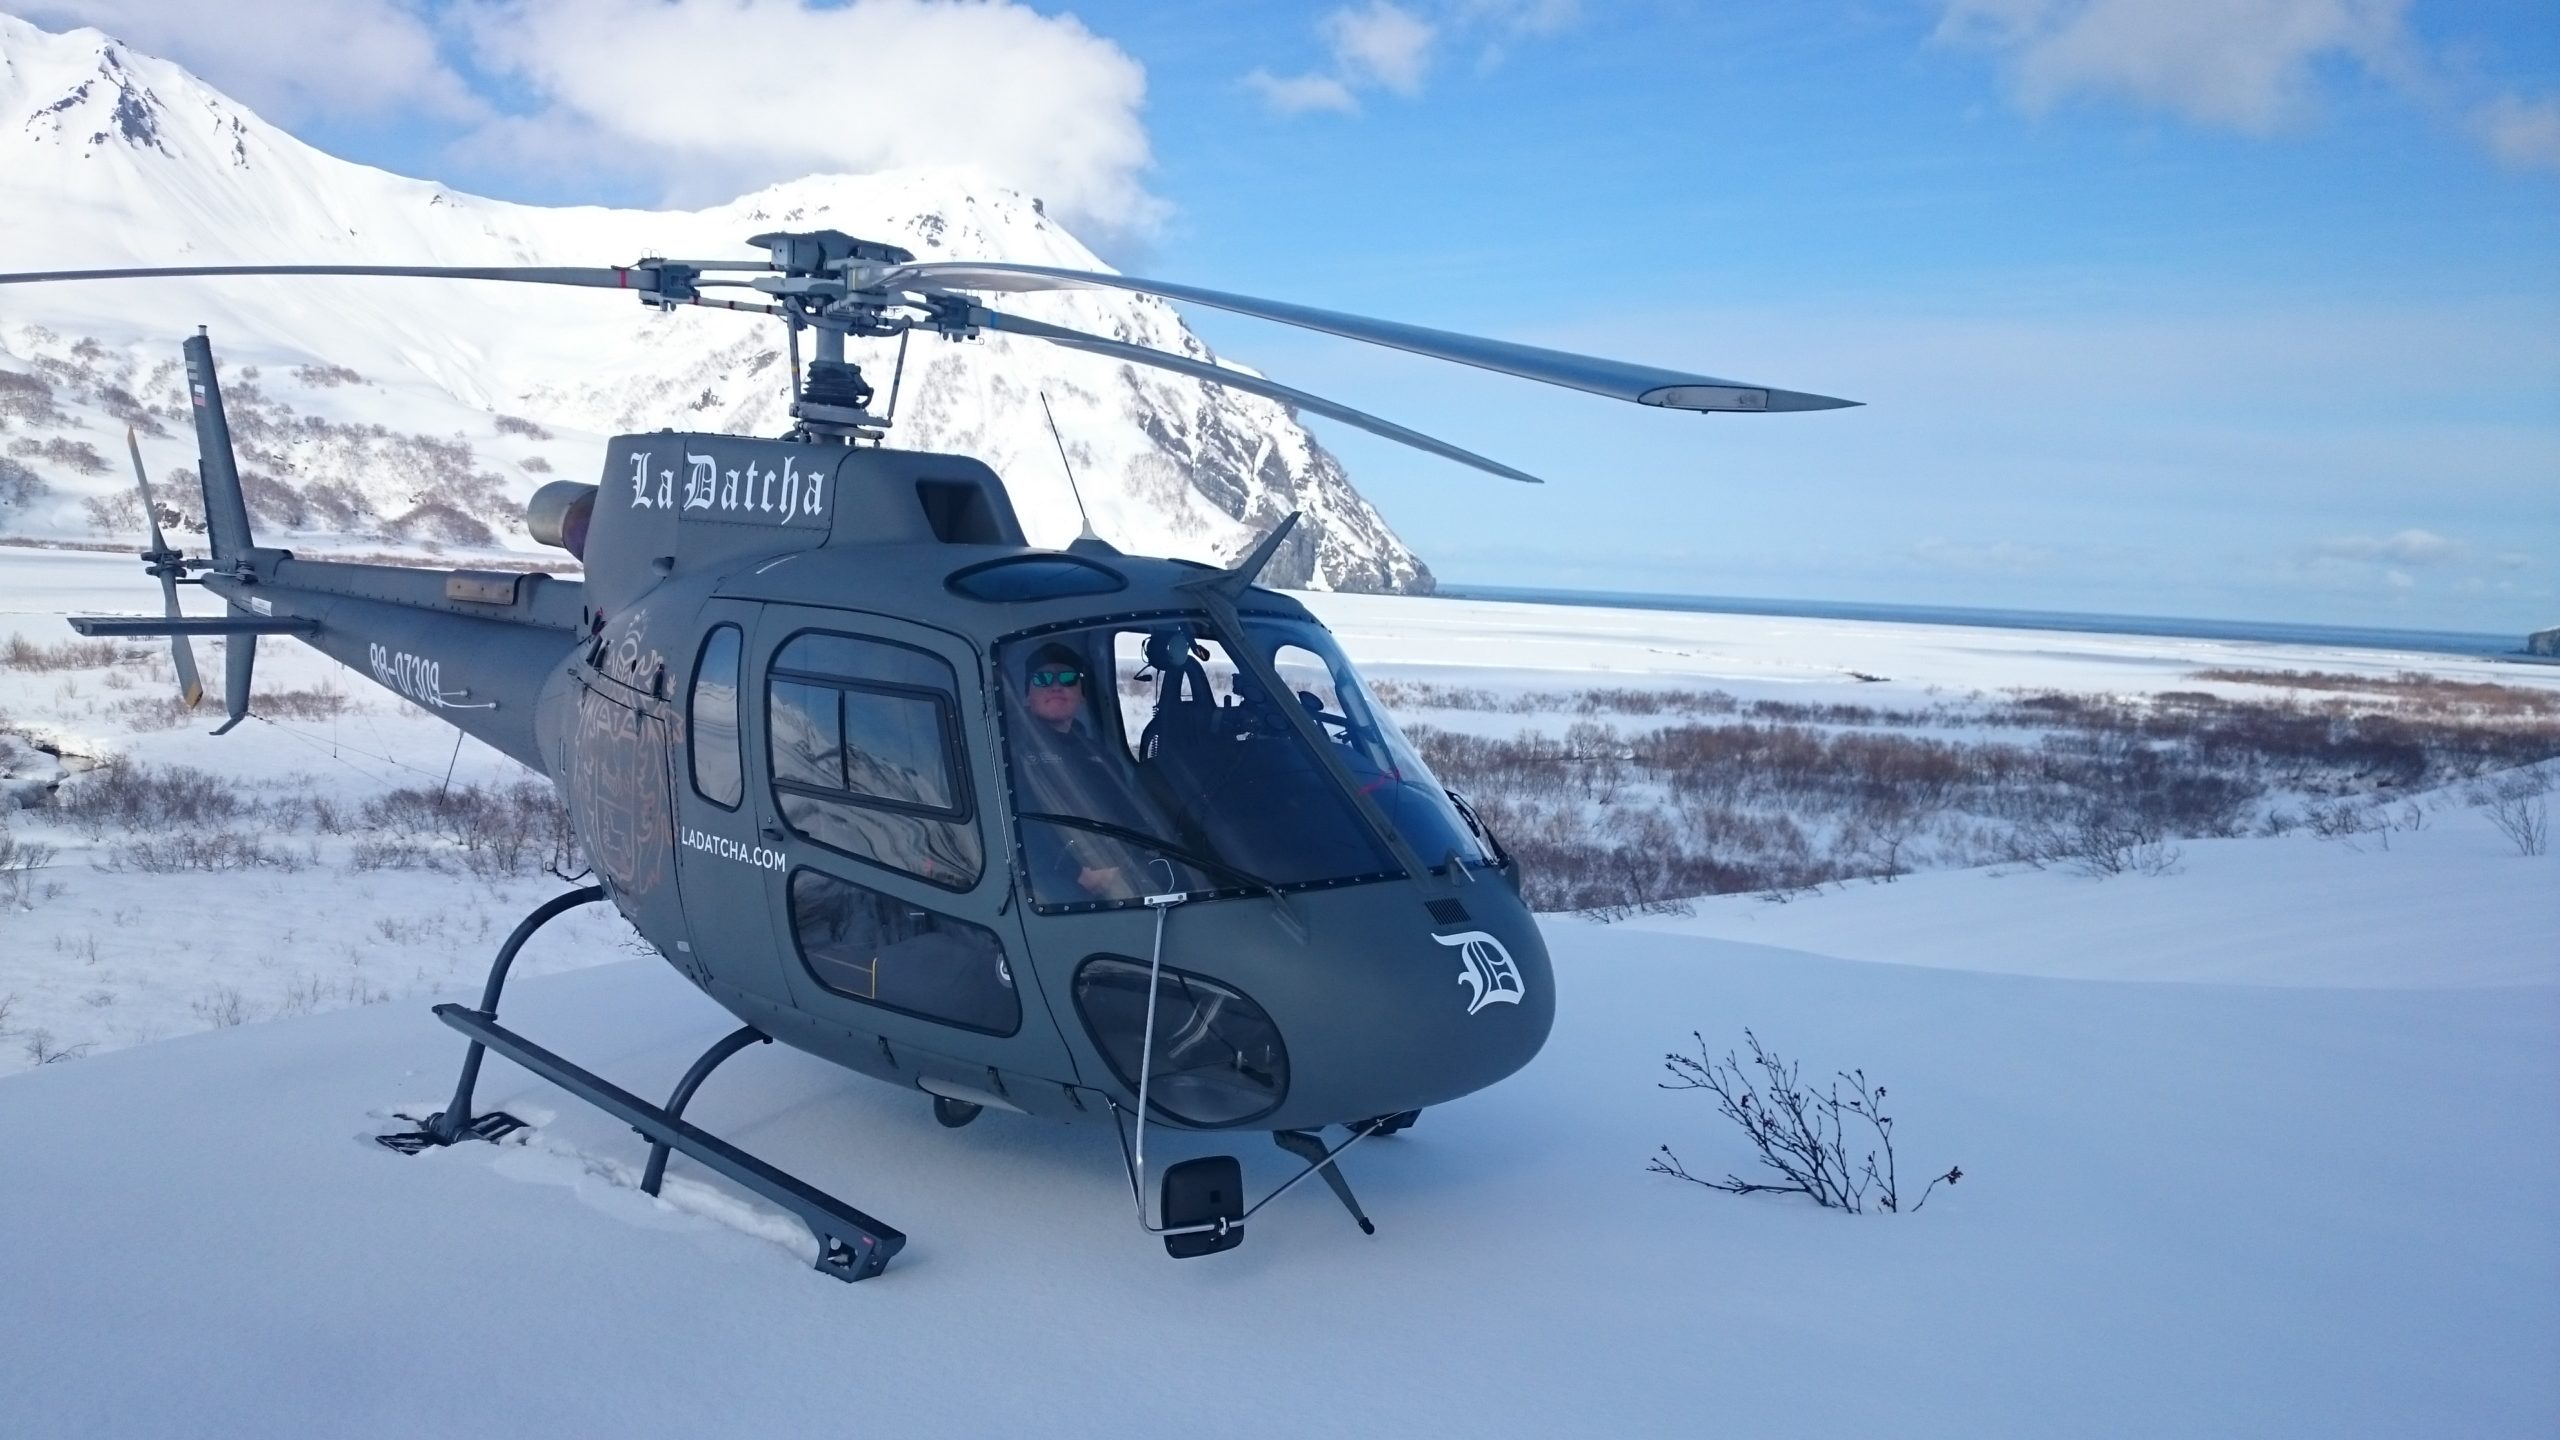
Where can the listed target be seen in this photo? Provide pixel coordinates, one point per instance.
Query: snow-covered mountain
(373, 410)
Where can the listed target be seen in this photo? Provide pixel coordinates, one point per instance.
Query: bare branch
(1800, 1134)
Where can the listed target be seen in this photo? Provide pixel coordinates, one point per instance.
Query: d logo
(1490, 974)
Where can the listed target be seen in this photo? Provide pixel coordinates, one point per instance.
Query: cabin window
(866, 755)
(1218, 1058)
(713, 720)
(879, 949)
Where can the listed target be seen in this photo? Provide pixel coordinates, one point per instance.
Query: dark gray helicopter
(1068, 833)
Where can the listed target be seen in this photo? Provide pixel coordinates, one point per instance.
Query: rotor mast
(831, 401)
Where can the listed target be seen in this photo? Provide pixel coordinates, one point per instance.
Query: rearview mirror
(1207, 1192)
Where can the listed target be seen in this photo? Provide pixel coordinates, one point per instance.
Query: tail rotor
(171, 567)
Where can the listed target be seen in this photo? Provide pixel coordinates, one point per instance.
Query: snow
(2188, 1209)
(1512, 647)
(2264, 1146)
(117, 959)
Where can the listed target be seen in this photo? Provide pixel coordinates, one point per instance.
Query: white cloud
(1298, 94)
(1518, 17)
(2408, 547)
(2247, 64)
(289, 60)
(1384, 45)
(717, 97)
(2525, 134)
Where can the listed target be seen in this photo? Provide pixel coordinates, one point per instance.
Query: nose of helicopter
(1393, 1002)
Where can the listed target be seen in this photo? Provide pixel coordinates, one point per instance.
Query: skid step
(851, 1245)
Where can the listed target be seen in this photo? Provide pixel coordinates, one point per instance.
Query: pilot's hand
(1105, 882)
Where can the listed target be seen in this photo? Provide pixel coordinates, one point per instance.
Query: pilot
(1066, 769)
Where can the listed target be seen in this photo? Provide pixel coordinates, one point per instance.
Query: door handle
(771, 831)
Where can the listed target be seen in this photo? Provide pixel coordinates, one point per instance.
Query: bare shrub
(2099, 842)
(77, 455)
(2334, 819)
(20, 487)
(326, 377)
(493, 832)
(222, 1007)
(2515, 805)
(29, 400)
(324, 703)
(19, 860)
(536, 464)
(118, 512)
(187, 850)
(22, 653)
(2431, 691)
(513, 425)
(439, 521)
(1802, 1135)
(160, 710)
(370, 855)
(135, 796)
(310, 994)
(126, 407)
(40, 1049)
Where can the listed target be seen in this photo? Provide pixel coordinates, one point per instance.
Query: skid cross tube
(851, 1245)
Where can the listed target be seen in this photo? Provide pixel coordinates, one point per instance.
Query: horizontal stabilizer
(119, 627)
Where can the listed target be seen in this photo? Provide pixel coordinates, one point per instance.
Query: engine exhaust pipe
(558, 515)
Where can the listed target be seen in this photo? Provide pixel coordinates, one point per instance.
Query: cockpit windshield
(1144, 759)
(1381, 761)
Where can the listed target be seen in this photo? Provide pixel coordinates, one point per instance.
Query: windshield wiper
(1192, 858)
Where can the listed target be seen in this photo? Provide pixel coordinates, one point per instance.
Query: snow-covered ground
(2265, 1146)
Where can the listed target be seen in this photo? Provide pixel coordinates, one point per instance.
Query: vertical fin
(226, 514)
(239, 657)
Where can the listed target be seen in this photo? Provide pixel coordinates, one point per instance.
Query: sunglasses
(1056, 677)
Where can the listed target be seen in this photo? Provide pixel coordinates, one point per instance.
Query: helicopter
(1070, 833)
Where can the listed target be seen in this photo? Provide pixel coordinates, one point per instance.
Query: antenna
(1072, 488)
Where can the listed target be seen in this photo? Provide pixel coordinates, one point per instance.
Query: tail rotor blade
(142, 482)
(165, 564)
(183, 654)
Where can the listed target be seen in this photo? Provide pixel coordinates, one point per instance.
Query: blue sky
(2247, 308)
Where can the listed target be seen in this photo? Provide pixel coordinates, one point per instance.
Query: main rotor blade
(1617, 379)
(603, 277)
(181, 653)
(1237, 380)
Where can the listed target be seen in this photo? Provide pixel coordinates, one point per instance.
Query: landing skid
(851, 1245)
